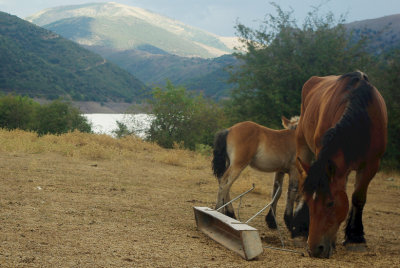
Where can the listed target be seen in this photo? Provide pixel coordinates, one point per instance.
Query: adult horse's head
(328, 205)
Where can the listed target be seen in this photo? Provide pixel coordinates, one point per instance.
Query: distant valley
(132, 50)
(154, 48)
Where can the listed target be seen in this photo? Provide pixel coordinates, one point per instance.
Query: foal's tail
(220, 160)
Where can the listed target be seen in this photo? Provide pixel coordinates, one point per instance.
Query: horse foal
(264, 149)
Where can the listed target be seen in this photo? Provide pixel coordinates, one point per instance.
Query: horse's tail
(220, 160)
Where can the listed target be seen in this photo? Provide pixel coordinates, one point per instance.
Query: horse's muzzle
(323, 250)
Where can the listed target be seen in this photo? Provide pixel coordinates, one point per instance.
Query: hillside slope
(124, 27)
(40, 63)
(382, 33)
(207, 75)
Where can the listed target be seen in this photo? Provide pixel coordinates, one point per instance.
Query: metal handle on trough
(237, 197)
(264, 208)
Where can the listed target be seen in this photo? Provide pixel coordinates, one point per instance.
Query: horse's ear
(285, 122)
(302, 167)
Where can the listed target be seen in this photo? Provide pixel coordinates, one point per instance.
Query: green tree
(121, 130)
(387, 79)
(60, 117)
(281, 57)
(183, 117)
(17, 112)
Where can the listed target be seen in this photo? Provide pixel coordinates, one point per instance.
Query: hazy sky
(220, 16)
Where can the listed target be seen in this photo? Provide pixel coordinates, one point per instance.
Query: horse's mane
(351, 134)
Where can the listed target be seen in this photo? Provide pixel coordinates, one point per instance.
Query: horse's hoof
(230, 214)
(356, 247)
(270, 220)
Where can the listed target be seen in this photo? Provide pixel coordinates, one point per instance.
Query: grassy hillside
(40, 63)
(207, 75)
(84, 200)
(382, 33)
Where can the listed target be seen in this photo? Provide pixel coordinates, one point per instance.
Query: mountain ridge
(140, 27)
(39, 63)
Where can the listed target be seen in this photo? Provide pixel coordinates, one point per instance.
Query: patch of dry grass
(74, 144)
(84, 200)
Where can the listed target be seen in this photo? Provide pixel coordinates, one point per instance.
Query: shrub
(60, 117)
(17, 112)
(183, 117)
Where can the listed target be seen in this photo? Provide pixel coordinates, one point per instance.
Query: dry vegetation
(82, 200)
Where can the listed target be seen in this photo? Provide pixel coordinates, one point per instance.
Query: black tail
(220, 159)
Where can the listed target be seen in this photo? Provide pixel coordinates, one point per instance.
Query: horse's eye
(330, 204)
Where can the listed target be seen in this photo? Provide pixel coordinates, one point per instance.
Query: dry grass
(82, 200)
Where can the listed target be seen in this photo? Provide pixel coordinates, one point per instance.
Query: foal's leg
(292, 196)
(354, 232)
(278, 182)
(225, 183)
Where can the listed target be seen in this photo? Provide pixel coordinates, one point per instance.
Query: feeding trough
(231, 233)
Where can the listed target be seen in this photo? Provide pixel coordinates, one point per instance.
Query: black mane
(351, 134)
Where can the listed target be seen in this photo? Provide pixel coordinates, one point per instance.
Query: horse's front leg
(301, 216)
(354, 232)
(292, 197)
(223, 196)
(277, 189)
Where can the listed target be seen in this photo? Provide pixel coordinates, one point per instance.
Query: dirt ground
(135, 209)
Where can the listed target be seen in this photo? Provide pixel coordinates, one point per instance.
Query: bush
(60, 117)
(121, 130)
(17, 112)
(281, 57)
(182, 117)
(387, 79)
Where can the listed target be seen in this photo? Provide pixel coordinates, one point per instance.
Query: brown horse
(268, 150)
(343, 124)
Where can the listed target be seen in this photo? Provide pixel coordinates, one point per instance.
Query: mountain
(155, 67)
(154, 48)
(122, 27)
(40, 63)
(382, 33)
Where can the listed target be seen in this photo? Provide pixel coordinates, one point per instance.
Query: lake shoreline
(106, 123)
(110, 107)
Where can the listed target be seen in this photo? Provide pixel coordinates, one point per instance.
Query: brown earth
(81, 200)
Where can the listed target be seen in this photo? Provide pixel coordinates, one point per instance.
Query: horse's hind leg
(354, 232)
(278, 182)
(225, 183)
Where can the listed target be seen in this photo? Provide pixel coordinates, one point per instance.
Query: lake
(106, 123)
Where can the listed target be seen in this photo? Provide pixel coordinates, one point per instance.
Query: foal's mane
(351, 134)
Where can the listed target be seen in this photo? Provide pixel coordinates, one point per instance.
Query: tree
(281, 57)
(183, 117)
(60, 117)
(17, 112)
(387, 79)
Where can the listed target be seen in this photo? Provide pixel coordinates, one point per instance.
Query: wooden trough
(233, 234)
